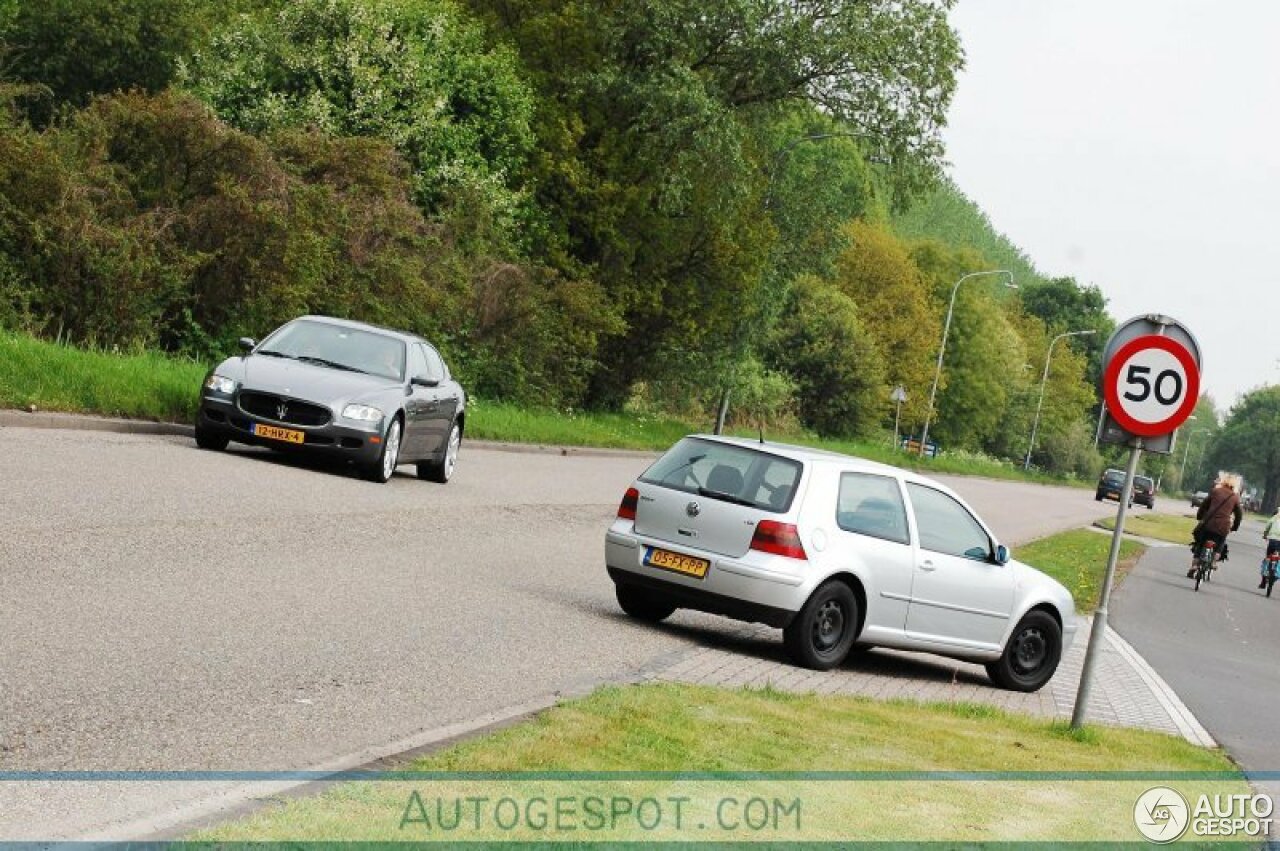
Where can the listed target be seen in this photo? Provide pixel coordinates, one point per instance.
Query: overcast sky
(1135, 145)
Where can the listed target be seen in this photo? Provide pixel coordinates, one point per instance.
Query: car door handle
(928, 565)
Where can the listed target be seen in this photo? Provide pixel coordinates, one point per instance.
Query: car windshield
(727, 472)
(1114, 476)
(337, 347)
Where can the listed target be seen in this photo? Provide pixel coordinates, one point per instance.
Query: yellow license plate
(288, 435)
(688, 565)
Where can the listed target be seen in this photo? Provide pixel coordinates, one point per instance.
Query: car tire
(384, 467)
(1097, 497)
(442, 471)
(822, 632)
(643, 605)
(1031, 657)
(211, 440)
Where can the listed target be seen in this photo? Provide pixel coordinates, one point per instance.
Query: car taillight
(627, 510)
(781, 539)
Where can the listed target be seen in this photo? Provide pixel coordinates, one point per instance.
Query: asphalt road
(169, 608)
(1217, 647)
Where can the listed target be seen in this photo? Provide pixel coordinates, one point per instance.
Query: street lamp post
(1035, 425)
(942, 349)
(1182, 471)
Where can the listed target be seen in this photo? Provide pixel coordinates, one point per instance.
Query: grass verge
(62, 378)
(147, 385)
(677, 728)
(1162, 527)
(1078, 559)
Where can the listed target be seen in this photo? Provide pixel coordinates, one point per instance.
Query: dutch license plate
(288, 435)
(688, 565)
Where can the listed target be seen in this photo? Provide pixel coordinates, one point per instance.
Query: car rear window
(728, 472)
(1143, 480)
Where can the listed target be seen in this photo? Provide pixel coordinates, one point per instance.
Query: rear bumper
(705, 601)
(731, 587)
(221, 416)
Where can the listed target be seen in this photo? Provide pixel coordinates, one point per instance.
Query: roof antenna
(761, 427)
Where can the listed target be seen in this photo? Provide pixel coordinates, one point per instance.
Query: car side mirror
(1002, 554)
(247, 343)
(421, 381)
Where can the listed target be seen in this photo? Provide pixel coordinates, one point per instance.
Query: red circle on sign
(1111, 391)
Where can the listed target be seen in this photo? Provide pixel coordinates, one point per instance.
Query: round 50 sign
(1151, 385)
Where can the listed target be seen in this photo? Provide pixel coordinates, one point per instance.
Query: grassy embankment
(150, 386)
(676, 728)
(1078, 559)
(1162, 527)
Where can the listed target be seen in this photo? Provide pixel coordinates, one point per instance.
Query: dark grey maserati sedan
(376, 397)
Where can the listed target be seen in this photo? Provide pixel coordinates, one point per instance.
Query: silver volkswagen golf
(836, 551)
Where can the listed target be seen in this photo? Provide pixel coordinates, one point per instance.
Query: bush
(838, 373)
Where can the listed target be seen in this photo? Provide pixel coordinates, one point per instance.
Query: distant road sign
(1151, 385)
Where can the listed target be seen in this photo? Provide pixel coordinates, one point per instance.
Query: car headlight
(220, 384)
(363, 413)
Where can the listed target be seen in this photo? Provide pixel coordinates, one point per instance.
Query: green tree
(947, 215)
(1249, 442)
(415, 73)
(1064, 305)
(986, 368)
(877, 272)
(822, 345)
(661, 124)
(74, 49)
(1068, 399)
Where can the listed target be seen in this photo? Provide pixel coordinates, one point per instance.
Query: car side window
(872, 505)
(946, 526)
(417, 363)
(435, 366)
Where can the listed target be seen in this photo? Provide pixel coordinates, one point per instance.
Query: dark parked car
(375, 397)
(1198, 498)
(1110, 485)
(1144, 491)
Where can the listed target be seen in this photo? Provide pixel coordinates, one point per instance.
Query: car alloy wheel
(451, 453)
(442, 470)
(385, 466)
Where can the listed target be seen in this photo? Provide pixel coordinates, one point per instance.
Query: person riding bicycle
(1272, 535)
(1219, 515)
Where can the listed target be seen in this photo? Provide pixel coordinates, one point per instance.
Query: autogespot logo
(1161, 814)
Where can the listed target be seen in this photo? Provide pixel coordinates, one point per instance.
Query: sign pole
(1099, 629)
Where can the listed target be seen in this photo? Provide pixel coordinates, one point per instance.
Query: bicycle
(1272, 568)
(1203, 563)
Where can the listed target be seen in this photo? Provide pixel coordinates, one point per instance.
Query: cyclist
(1272, 535)
(1219, 515)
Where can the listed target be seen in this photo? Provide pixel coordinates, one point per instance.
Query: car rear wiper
(727, 497)
(333, 364)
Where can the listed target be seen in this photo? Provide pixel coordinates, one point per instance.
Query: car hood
(299, 380)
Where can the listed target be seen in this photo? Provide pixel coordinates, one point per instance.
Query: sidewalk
(1126, 692)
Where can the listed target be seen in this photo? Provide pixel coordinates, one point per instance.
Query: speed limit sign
(1151, 385)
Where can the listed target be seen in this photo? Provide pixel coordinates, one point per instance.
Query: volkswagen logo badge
(693, 509)
(282, 410)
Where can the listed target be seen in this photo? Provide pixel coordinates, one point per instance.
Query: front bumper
(220, 415)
